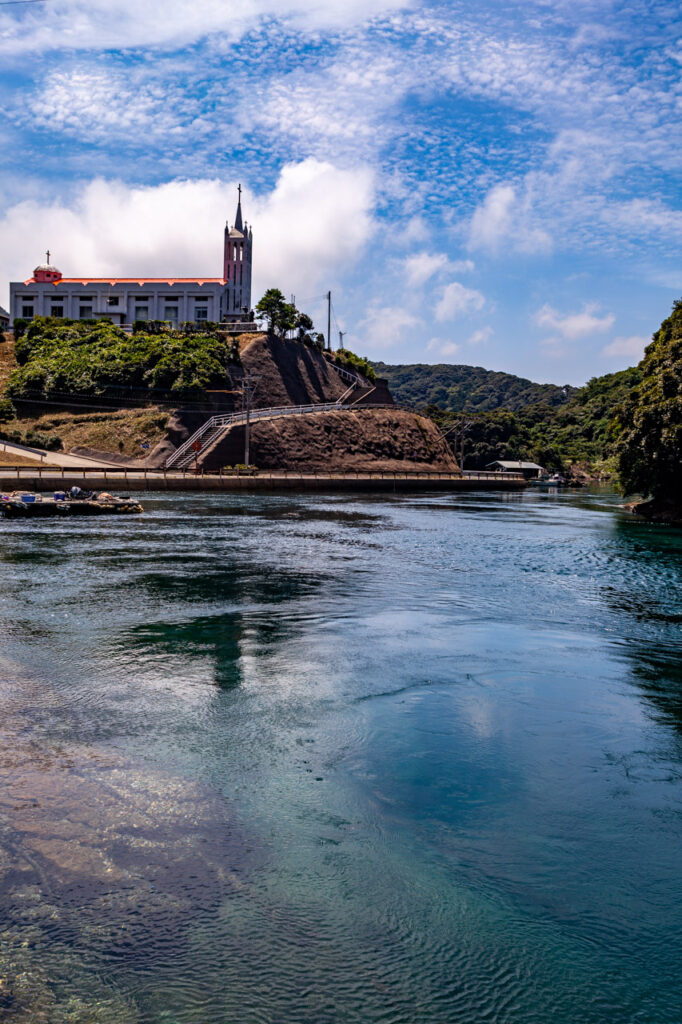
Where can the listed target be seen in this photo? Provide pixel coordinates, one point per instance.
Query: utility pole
(249, 388)
(341, 334)
(329, 321)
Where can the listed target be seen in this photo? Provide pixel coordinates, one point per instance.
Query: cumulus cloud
(573, 326)
(92, 24)
(456, 300)
(504, 217)
(481, 336)
(177, 228)
(492, 220)
(632, 347)
(443, 348)
(386, 326)
(422, 266)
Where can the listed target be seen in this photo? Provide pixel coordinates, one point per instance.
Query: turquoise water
(392, 759)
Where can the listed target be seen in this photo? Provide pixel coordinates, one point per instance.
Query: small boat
(556, 480)
(28, 505)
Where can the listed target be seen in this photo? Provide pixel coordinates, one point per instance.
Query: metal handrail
(146, 473)
(343, 372)
(229, 419)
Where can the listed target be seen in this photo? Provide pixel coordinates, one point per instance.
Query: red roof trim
(130, 280)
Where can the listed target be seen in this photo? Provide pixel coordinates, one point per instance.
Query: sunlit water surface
(392, 759)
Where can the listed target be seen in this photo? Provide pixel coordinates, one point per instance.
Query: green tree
(648, 425)
(280, 316)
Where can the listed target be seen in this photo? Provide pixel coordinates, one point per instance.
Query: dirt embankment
(288, 373)
(369, 440)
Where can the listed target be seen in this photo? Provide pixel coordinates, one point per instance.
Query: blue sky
(495, 183)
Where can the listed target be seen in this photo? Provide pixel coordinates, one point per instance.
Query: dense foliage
(553, 436)
(648, 425)
(77, 357)
(467, 388)
(358, 364)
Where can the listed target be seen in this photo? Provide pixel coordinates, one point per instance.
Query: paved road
(54, 458)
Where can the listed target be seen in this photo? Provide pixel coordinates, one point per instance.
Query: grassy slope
(104, 430)
(110, 431)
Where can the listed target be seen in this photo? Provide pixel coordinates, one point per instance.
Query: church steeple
(237, 265)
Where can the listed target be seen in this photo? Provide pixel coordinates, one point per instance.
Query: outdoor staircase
(209, 432)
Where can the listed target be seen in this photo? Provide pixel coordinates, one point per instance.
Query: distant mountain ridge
(459, 388)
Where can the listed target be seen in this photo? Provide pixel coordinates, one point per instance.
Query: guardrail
(127, 473)
(229, 419)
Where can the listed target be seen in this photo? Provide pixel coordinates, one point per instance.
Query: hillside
(377, 440)
(578, 431)
(458, 388)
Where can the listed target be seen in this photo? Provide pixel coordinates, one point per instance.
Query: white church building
(127, 299)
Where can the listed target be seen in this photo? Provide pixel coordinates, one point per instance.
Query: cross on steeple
(48, 256)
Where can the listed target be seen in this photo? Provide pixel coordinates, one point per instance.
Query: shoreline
(663, 513)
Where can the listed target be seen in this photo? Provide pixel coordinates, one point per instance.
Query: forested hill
(467, 388)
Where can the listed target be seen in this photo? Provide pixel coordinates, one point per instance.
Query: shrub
(359, 364)
(19, 327)
(7, 410)
(72, 357)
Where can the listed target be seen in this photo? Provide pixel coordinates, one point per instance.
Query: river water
(322, 759)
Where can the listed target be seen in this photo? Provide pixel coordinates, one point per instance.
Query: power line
(13, 3)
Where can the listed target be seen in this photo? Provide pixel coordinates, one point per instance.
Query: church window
(27, 311)
(57, 310)
(201, 314)
(142, 312)
(112, 300)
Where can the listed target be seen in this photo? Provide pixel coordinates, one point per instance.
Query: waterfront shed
(530, 470)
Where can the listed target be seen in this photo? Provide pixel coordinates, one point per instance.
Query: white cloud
(492, 220)
(574, 325)
(177, 228)
(386, 326)
(457, 300)
(93, 24)
(632, 347)
(481, 336)
(506, 217)
(80, 102)
(443, 348)
(423, 265)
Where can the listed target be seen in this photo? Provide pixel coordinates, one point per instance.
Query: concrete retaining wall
(116, 481)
